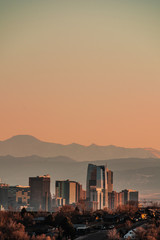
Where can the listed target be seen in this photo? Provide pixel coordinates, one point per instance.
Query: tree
(64, 225)
(113, 235)
(10, 230)
(23, 212)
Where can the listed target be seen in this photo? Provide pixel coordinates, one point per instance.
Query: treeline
(60, 225)
(12, 227)
(35, 226)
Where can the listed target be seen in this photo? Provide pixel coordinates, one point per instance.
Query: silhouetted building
(4, 195)
(40, 197)
(68, 192)
(97, 187)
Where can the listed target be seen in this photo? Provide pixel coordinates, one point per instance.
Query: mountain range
(26, 145)
(23, 156)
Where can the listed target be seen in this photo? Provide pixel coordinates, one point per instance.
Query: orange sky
(81, 71)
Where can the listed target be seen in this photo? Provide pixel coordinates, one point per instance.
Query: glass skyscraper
(97, 186)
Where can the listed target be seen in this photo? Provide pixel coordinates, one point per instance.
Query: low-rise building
(18, 197)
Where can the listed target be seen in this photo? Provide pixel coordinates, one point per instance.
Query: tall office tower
(97, 186)
(40, 197)
(130, 196)
(68, 192)
(110, 180)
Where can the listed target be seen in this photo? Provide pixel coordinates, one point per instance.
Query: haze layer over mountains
(26, 145)
(23, 156)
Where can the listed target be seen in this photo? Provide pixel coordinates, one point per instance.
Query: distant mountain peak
(27, 145)
(93, 145)
(22, 138)
(74, 144)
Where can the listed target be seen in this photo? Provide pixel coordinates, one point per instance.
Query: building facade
(110, 180)
(68, 192)
(4, 195)
(130, 196)
(18, 197)
(97, 186)
(113, 200)
(40, 196)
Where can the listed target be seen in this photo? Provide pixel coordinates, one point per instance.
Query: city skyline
(37, 196)
(81, 71)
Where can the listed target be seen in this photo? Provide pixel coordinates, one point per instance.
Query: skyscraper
(40, 192)
(110, 180)
(97, 186)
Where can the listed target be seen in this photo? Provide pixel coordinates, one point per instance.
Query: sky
(84, 71)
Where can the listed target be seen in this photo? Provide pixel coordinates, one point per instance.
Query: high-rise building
(133, 196)
(110, 180)
(113, 200)
(124, 197)
(130, 196)
(97, 186)
(68, 192)
(40, 196)
(120, 198)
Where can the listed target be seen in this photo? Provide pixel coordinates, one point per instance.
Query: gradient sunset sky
(84, 71)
